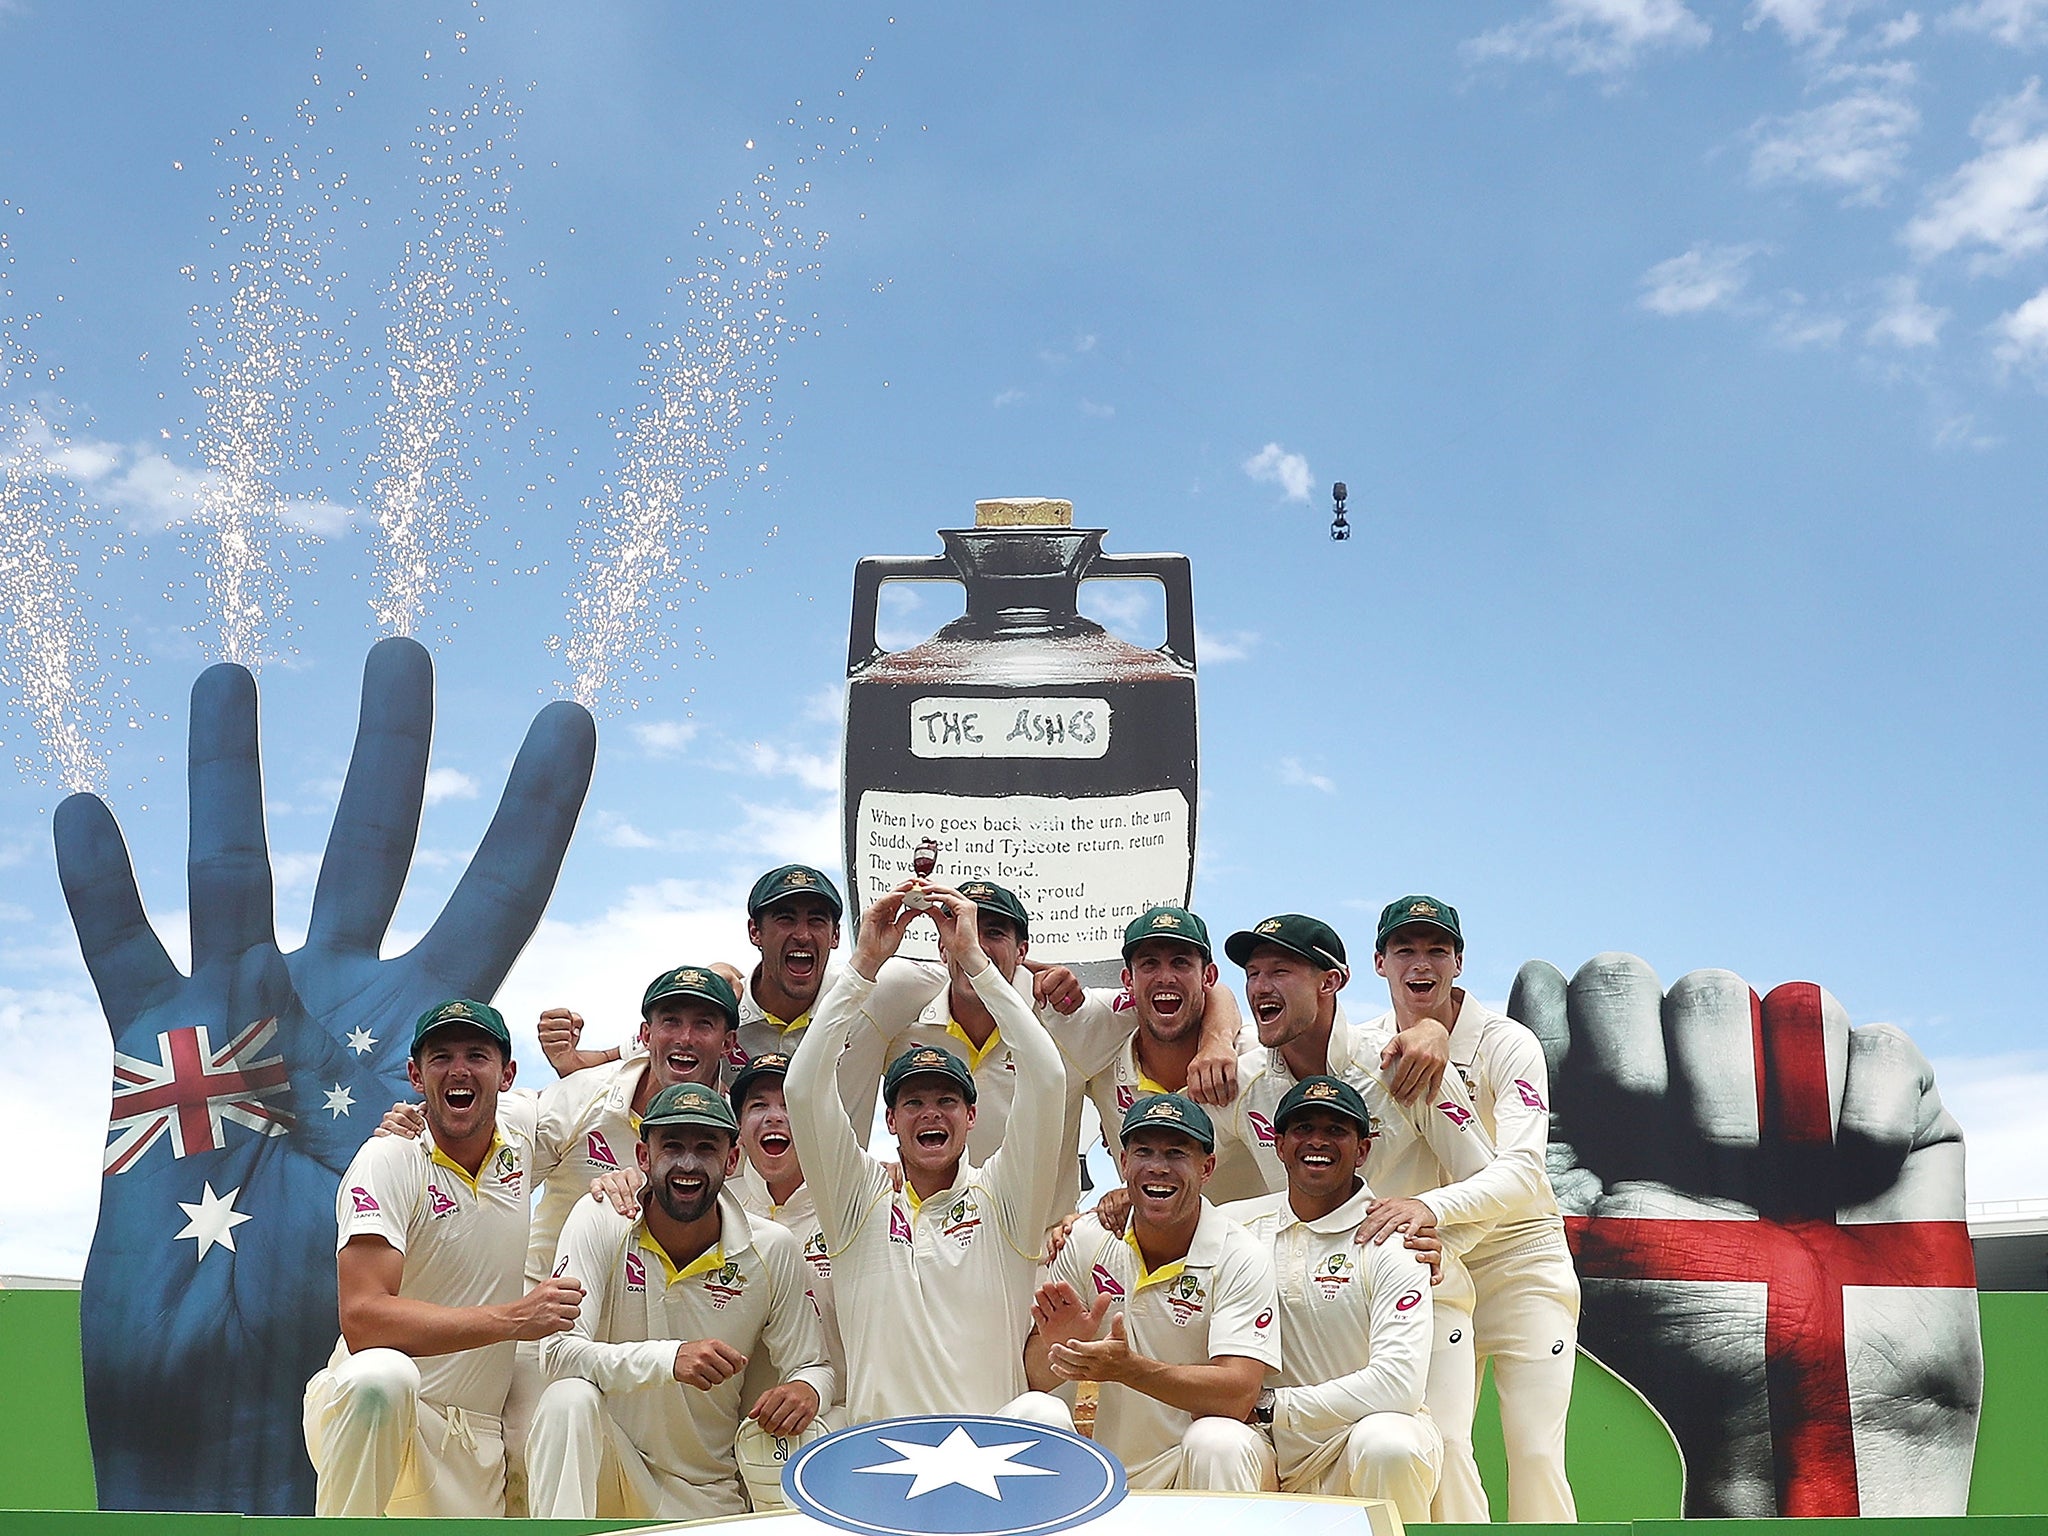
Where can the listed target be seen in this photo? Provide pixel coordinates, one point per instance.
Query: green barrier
(2011, 1474)
(1619, 1456)
(45, 1458)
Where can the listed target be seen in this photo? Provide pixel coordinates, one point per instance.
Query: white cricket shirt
(584, 1128)
(799, 1218)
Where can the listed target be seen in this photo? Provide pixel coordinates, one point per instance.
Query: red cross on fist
(1766, 1208)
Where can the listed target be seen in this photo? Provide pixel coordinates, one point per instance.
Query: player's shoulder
(774, 1242)
(388, 1160)
(1258, 1215)
(593, 1223)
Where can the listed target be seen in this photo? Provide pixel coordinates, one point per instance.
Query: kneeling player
(643, 1418)
(408, 1418)
(1347, 1416)
(1195, 1328)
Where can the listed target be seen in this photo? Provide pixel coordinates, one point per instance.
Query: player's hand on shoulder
(1415, 1060)
(1408, 1217)
(704, 1363)
(403, 1119)
(1057, 1234)
(1212, 1077)
(786, 1408)
(549, 1308)
(1428, 1248)
(1113, 1210)
(620, 1189)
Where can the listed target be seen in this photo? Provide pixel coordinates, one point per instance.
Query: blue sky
(1685, 362)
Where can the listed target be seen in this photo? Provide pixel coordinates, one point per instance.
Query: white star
(957, 1459)
(360, 1041)
(339, 1101)
(212, 1220)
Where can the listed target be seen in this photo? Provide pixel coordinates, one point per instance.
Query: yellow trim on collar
(916, 1204)
(801, 1021)
(436, 1155)
(976, 1054)
(1145, 1084)
(1157, 1276)
(710, 1259)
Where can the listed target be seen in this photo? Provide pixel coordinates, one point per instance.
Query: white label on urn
(1083, 867)
(1016, 727)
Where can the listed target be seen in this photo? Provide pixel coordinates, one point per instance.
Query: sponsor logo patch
(438, 1203)
(364, 1201)
(899, 1226)
(1458, 1116)
(598, 1152)
(1106, 1284)
(1529, 1095)
(724, 1283)
(1185, 1299)
(1408, 1301)
(636, 1272)
(1261, 1126)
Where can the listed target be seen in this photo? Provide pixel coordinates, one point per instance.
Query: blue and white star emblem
(953, 1475)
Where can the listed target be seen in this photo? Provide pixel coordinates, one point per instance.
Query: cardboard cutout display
(1766, 1210)
(241, 1091)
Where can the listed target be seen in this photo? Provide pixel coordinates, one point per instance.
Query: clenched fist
(1766, 1207)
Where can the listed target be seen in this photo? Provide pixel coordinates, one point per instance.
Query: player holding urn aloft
(408, 1417)
(1346, 1414)
(1191, 1310)
(933, 1280)
(643, 1417)
(1525, 1314)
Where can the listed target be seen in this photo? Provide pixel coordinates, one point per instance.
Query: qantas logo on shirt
(1529, 1095)
(438, 1204)
(735, 1057)
(562, 1266)
(365, 1202)
(1106, 1284)
(1457, 1115)
(899, 1225)
(599, 1152)
(1126, 1096)
(636, 1272)
(1409, 1301)
(1123, 1002)
(1261, 1126)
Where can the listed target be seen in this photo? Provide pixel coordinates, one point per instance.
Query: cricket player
(934, 1281)
(1170, 1029)
(793, 915)
(407, 1418)
(1192, 1313)
(1525, 1310)
(1294, 968)
(917, 1003)
(643, 1416)
(1346, 1414)
(771, 1186)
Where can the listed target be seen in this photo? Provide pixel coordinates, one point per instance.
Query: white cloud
(1099, 412)
(1818, 25)
(1705, 277)
(1799, 328)
(813, 770)
(2015, 23)
(1274, 465)
(664, 738)
(1856, 144)
(1906, 320)
(1008, 397)
(55, 1063)
(1291, 772)
(1998, 200)
(449, 784)
(1997, 1101)
(782, 834)
(2023, 334)
(1903, 29)
(1593, 36)
(1215, 647)
(616, 832)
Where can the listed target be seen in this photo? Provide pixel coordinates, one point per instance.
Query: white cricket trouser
(1391, 1456)
(378, 1449)
(1526, 1320)
(1452, 1396)
(529, 1379)
(580, 1465)
(1215, 1455)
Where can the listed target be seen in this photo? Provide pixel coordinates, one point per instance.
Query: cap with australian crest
(1324, 1092)
(1171, 1112)
(1423, 911)
(921, 1060)
(693, 981)
(787, 880)
(689, 1104)
(768, 1064)
(1001, 900)
(1309, 937)
(462, 1011)
(1167, 922)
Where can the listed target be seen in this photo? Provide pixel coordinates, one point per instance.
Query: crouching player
(643, 1417)
(1347, 1415)
(408, 1417)
(1191, 1306)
